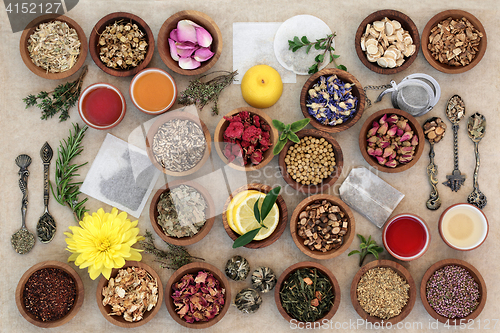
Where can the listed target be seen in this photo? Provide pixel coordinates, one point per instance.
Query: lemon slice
(237, 199)
(244, 219)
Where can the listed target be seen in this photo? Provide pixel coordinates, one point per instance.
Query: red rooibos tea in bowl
(406, 237)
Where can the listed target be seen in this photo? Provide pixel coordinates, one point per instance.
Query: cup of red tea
(463, 227)
(406, 237)
(153, 91)
(102, 106)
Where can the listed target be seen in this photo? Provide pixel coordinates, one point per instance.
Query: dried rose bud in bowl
(244, 139)
(391, 140)
(189, 42)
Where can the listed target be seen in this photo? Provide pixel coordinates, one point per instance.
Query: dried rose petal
(186, 32)
(188, 63)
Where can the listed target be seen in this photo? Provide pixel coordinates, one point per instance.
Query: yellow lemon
(261, 86)
(244, 219)
(237, 199)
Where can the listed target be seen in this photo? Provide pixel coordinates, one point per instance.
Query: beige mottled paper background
(23, 132)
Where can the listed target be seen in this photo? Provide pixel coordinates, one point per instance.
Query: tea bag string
(368, 101)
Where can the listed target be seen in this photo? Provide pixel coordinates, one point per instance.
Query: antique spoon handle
(23, 185)
(455, 128)
(434, 201)
(478, 163)
(46, 184)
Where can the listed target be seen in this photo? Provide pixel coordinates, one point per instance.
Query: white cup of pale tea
(463, 226)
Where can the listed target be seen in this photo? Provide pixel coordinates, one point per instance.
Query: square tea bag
(121, 176)
(371, 196)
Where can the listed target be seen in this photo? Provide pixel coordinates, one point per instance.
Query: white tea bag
(369, 195)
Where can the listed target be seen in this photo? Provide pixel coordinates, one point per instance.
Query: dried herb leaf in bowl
(181, 211)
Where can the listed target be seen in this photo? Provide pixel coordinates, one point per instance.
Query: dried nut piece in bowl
(387, 43)
(454, 42)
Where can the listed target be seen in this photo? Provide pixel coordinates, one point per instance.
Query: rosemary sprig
(320, 44)
(260, 215)
(66, 190)
(202, 93)
(60, 100)
(367, 247)
(174, 258)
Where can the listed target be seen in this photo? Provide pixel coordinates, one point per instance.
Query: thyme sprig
(202, 93)
(320, 44)
(367, 246)
(66, 189)
(60, 100)
(174, 258)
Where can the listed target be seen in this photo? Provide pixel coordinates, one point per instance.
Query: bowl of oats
(53, 46)
(132, 296)
(178, 143)
(121, 44)
(182, 212)
(453, 41)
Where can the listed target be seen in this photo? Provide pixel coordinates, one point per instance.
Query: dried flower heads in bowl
(453, 41)
(53, 46)
(453, 291)
(121, 44)
(182, 212)
(244, 139)
(189, 42)
(391, 140)
(333, 99)
(383, 291)
(132, 296)
(197, 295)
(178, 143)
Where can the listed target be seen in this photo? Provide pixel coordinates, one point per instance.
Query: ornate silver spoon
(476, 128)
(46, 227)
(23, 240)
(434, 129)
(455, 111)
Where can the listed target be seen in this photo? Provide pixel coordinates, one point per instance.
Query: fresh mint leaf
(278, 125)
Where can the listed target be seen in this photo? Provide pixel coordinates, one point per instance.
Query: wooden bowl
(219, 139)
(476, 212)
(209, 213)
(30, 29)
(76, 306)
(109, 19)
(279, 229)
(419, 220)
(200, 18)
(416, 128)
(475, 275)
(327, 182)
(308, 264)
(299, 241)
(406, 23)
(401, 271)
(456, 14)
(357, 91)
(177, 115)
(118, 320)
(88, 121)
(194, 268)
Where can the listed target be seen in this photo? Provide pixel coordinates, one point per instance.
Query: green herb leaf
(308, 48)
(296, 40)
(319, 58)
(362, 239)
(335, 56)
(287, 127)
(375, 253)
(353, 252)
(313, 69)
(256, 211)
(299, 124)
(295, 48)
(283, 136)
(279, 146)
(363, 246)
(291, 44)
(305, 40)
(293, 137)
(278, 125)
(269, 201)
(342, 67)
(246, 238)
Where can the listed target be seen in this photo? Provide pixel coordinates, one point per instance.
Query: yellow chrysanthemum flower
(103, 242)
